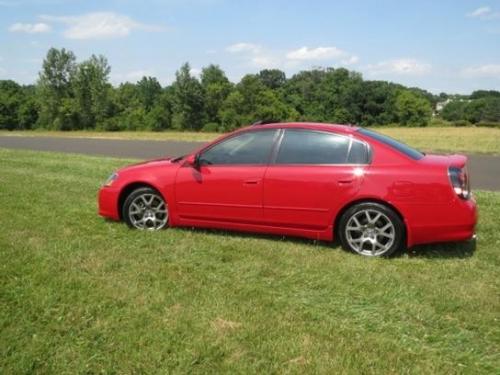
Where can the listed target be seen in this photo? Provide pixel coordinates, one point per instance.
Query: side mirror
(193, 160)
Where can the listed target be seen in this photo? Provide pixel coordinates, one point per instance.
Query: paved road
(484, 169)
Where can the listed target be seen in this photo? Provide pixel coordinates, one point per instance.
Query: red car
(320, 181)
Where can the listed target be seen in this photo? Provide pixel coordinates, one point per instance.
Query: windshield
(401, 147)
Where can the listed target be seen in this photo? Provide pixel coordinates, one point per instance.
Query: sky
(441, 45)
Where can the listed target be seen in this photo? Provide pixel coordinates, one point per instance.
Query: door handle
(251, 182)
(345, 182)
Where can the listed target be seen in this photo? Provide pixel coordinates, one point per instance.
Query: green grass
(79, 294)
(438, 139)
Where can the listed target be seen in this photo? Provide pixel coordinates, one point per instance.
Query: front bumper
(108, 202)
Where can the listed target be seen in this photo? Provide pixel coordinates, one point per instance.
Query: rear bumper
(108, 203)
(450, 223)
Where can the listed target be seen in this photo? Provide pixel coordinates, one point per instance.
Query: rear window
(401, 147)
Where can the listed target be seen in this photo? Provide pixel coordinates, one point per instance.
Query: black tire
(369, 233)
(145, 209)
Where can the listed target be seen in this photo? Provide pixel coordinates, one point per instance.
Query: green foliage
(272, 78)
(187, 100)
(11, 99)
(412, 109)
(148, 92)
(77, 95)
(216, 88)
(90, 87)
(210, 127)
(484, 109)
(55, 86)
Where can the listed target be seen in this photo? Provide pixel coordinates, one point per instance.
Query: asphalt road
(484, 169)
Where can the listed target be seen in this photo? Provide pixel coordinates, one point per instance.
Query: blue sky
(444, 45)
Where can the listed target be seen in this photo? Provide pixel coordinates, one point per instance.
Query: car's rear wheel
(145, 209)
(371, 229)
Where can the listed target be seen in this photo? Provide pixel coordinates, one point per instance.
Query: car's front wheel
(371, 229)
(145, 209)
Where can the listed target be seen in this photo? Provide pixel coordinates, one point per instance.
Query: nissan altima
(321, 181)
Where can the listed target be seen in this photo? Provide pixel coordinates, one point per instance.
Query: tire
(371, 229)
(145, 209)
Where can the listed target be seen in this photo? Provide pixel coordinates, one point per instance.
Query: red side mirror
(192, 160)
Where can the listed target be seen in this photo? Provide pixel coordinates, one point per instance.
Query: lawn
(438, 139)
(79, 294)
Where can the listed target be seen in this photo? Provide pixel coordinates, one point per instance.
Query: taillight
(459, 179)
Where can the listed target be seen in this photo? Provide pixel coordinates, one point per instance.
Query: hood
(147, 163)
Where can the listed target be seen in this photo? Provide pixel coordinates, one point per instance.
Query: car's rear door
(312, 174)
(227, 185)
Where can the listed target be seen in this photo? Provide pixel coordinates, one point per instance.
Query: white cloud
(30, 28)
(257, 56)
(318, 53)
(195, 72)
(484, 13)
(99, 25)
(488, 70)
(244, 47)
(265, 61)
(400, 67)
(350, 60)
(131, 76)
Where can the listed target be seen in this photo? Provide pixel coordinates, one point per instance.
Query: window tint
(401, 147)
(247, 148)
(310, 147)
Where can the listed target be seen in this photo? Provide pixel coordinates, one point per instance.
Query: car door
(312, 175)
(227, 184)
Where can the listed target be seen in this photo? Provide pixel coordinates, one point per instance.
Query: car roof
(345, 129)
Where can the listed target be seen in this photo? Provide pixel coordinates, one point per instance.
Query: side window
(358, 154)
(312, 147)
(248, 148)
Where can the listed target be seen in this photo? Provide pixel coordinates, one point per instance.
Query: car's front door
(226, 186)
(313, 174)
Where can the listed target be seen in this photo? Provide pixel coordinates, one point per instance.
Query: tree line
(71, 95)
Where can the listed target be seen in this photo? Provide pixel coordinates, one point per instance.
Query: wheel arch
(129, 188)
(407, 232)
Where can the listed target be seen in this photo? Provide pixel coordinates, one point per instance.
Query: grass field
(79, 294)
(440, 139)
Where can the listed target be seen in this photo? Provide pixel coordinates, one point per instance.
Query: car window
(401, 147)
(312, 147)
(358, 153)
(248, 148)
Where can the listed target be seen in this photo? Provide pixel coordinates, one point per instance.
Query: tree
(148, 92)
(216, 88)
(479, 94)
(90, 86)
(160, 116)
(253, 101)
(55, 84)
(412, 109)
(187, 100)
(272, 78)
(11, 97)
(454, 110)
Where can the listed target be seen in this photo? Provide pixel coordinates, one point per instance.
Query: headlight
(111, 179)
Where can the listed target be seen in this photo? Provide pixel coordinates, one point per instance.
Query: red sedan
(320, 181)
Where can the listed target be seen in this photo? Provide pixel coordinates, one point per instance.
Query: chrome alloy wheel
(370, 232)
(148, 211)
